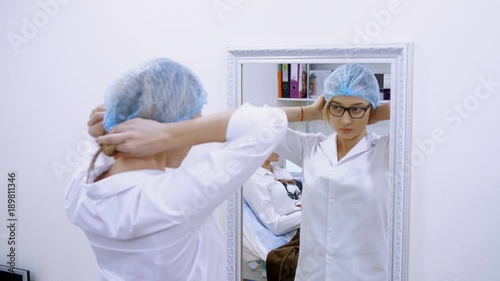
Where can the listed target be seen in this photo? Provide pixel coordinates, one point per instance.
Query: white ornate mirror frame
(400, 58)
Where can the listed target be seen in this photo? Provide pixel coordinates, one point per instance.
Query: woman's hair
(326, 116)
(159, 89)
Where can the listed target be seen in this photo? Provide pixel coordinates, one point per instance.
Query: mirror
(257, 76)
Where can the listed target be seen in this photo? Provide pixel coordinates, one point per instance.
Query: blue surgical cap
(160, 90)
(352, 80)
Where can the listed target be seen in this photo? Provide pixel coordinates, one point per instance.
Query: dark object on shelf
(285, 91)
(385, 94)
(380, 80)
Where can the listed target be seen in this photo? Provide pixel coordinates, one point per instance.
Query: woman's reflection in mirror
(344, 224)
(271, 199)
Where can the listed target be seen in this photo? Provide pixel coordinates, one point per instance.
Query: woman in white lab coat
(344, 227)
(277, 207)
(145, 217)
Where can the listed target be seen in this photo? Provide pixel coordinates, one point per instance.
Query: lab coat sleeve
(258, 198)
(191, 193)
(296, 144)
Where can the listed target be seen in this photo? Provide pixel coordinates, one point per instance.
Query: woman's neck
(126, 164)
(267, 166)
(146, 163)
(345, 145)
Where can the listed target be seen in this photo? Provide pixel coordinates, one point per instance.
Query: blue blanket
(260, 238)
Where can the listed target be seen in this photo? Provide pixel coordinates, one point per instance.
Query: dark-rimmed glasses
(355, 112)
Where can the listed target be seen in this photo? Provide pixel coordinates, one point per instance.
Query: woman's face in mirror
(346, 126)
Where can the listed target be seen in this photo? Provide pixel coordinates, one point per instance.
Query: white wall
(53, 80)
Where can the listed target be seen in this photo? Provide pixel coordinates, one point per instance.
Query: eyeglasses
(354, 112)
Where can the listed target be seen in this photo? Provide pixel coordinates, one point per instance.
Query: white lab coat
(155, 225)
(344, 228)
(269, 201)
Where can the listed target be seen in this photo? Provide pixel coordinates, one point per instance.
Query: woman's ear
(372, 110)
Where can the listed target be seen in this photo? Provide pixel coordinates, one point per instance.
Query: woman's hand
(95, 124)
(96, 128)
(316, 112)
(138, 137)
(382, 113)
(306, 113)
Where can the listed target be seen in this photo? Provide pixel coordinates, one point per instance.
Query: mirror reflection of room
(346, 173)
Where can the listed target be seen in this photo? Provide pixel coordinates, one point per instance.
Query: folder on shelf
(285, 84)
(302, 80)
(294, 80)
(280, 81)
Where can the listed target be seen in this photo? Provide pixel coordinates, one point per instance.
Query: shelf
(294, 99)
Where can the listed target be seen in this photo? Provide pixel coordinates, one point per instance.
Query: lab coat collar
(329, 146)
(118, 183)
